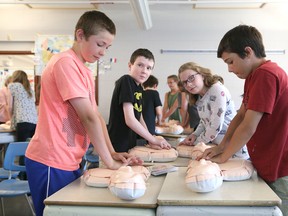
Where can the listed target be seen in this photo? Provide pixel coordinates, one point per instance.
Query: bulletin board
(48, 45)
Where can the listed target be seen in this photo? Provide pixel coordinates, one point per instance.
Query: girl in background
(175, 103)
(5, 102)
(24, 114)
(169, 100)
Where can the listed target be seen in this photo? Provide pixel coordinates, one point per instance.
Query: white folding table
(79, 199)
(249, 197)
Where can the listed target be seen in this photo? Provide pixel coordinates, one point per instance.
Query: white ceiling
(141, 8)
(94, 4)
(155, 5)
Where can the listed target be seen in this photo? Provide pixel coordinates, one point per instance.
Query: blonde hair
(208, 78)
(21, 77)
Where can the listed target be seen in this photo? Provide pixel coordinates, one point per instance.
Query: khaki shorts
(280, 187)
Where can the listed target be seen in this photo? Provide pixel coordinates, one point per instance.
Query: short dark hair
(141, 52)
(150, 82)
(240, 37)
(93, 22)
(174, 77)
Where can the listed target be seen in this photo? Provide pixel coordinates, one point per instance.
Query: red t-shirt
(266, 90)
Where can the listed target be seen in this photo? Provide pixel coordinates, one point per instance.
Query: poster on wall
(48, 45)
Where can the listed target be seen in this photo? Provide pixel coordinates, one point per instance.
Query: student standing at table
(5, 102)
(126, 121)
(68, 115)
(187, 108)
(24, 114)
(152, 105)
(262, 120)
(170, 98)
(214, 104)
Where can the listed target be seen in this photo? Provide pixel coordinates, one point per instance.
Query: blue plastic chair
(14, 187)
(89, 157)
(7, 174)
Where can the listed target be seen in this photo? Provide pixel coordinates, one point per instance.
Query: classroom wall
(174, 27)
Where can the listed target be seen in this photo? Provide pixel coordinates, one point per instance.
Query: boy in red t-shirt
(262, 120)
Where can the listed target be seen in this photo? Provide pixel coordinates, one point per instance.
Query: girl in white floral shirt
(24, 114)
(214, 104)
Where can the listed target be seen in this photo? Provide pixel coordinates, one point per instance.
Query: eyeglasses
(190, 79)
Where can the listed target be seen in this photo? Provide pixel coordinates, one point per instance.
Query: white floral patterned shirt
(24, 108)
(216, 110)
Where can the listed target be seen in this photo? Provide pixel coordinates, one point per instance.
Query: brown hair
(237, 39)
(174, 77)
(93, 22)
(142, 52)
(208, 78)
(150, 82)
(21, 77)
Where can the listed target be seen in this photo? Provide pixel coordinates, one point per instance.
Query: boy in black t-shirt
(126, 120)
(152, 105)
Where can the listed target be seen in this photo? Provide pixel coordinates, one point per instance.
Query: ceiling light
(142, 13)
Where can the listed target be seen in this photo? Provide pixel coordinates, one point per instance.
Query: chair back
(14, 150)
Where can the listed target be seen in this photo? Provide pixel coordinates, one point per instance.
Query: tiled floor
(16, 206)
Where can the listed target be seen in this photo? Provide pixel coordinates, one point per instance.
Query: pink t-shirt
(60, 140)
(5, 105)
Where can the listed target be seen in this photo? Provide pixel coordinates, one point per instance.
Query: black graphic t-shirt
(151, 100)
(126, 91)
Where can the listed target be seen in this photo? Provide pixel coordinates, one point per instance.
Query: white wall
(174, 27)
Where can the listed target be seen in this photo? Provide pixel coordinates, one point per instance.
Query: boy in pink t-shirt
(68, 116)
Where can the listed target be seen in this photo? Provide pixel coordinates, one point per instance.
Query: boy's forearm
(106, 135)
(234, 124)
(138, 128)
